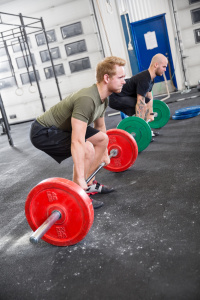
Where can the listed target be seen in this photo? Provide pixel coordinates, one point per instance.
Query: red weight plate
(73, 203)
(127, 150)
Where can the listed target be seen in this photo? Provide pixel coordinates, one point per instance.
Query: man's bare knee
(99, 140)
(104, 139)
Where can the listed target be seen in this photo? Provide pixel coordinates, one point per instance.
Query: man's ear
(106, 78)
(156, 65)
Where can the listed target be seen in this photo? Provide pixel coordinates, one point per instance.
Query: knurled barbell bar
(59, 210)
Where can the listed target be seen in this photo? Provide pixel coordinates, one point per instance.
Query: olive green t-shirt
(84, 105)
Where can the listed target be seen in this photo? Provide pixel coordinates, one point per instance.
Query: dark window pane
(5, 66)
(29, 77)
(79, 64)
(40, 38)
(20, 45)
(2, 51)
(76, 47)
(193, 1)
(195, 13)
(71, 30)
(55, 53)
(59, 69)
(25, 61)
(7, 82)
(197, 35)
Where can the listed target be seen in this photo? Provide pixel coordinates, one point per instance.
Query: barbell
(140, 129)
(161, 114)
(59, 211)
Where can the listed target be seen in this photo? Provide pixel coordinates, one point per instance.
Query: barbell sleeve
(48, 223)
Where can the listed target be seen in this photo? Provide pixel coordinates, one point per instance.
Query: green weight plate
(162, 114)
(139, 129)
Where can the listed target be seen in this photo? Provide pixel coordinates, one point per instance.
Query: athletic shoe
(155, 133)
(96, 204)
(96, 188)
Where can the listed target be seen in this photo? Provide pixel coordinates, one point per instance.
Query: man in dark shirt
(64, 130)
(136, 97)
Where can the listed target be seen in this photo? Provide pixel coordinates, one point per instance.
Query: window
(79, 64)
(59, 70)
(71, 30)
(25, 61)
(29, 77)
(195, 13)
(197, 35)
(76, 47)
(7, 82)
(2, 51)
(193, 1)
(5, 66)
(55, 53)
(20, 45)
(51, 37)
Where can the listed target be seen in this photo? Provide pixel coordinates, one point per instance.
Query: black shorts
(54, 141)
(125, 104)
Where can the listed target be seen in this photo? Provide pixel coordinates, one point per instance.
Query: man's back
(84, 105)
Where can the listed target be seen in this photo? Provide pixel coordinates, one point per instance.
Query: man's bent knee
(99, 139)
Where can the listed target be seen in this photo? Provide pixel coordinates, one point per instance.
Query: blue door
(150, 37)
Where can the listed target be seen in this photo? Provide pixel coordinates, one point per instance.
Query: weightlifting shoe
(97, 188)
(96, 204)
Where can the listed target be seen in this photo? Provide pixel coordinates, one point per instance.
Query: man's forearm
(149, 111)
(140, 107)
(146, 114)
(78, 156)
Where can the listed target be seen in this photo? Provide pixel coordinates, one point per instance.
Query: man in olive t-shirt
(64, 130)
(84, 105)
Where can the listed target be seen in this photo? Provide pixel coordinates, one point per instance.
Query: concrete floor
(144, 243)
